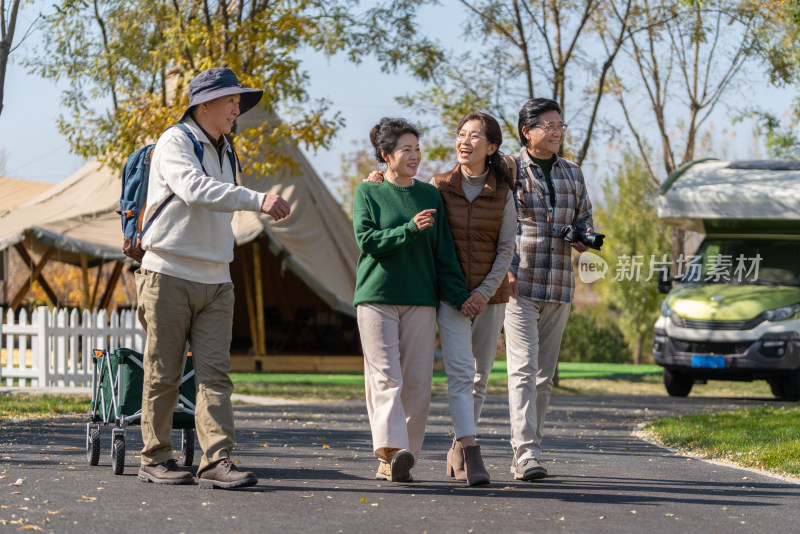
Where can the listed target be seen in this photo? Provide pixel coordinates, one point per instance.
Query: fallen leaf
(362, 499)
(325, 447)
(70, 448)
(85, 498)
(31, 527)
(52, 512)
(510, 488)
(264, 445)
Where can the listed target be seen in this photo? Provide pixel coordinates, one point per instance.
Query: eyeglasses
(463, 136)
(550, 127)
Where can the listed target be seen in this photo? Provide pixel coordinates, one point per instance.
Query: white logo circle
(591, 267)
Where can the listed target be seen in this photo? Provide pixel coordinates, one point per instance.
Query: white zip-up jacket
(192, 237)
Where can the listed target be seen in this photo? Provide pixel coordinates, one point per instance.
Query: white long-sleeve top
(192, 237)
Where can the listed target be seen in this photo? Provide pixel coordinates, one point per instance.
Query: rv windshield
(744, 261)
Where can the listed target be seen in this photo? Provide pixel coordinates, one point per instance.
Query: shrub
(588, 339)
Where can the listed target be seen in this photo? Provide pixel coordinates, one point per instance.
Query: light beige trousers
(172, 312)
(398, 344)
(533, 339)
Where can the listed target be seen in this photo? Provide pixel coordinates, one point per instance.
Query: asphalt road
(316, 474)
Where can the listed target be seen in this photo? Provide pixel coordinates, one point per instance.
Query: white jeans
(398, 344)
(533, 339)
(468, 349)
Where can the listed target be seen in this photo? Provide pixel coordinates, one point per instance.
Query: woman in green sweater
(407, 261)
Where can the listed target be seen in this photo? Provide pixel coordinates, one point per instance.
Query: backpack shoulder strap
(235, 164)
(198, 146)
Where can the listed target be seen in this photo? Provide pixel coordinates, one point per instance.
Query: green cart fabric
(131, 384)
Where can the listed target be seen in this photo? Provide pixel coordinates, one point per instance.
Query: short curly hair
(385, 134)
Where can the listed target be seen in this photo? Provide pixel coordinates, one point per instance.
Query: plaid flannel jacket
(542, 261)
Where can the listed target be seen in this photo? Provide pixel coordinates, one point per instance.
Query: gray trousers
(533, 339)
(468, 350)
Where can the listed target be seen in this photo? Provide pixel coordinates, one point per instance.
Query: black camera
(572, 234)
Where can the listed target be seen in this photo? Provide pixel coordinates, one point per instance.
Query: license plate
(708, 362)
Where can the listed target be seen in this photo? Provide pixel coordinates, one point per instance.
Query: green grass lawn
(311, 386)
(763, 438)
(24, 406)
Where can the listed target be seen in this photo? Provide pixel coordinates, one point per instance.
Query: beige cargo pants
(172, 312)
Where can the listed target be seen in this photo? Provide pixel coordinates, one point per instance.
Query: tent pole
(130, 297)
(40, 278)
(85, 272)
(36, 273)
(93, 296)
(259, 283)
(247, 275)
(105, 302)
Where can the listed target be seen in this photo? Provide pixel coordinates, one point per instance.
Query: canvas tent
(307, 261)
(710, 196)
(16, 191)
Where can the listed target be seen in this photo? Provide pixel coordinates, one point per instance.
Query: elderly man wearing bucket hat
(184, 286)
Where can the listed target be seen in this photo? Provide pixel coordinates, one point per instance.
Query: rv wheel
(776, 386)
(678, 384)
(791, 386)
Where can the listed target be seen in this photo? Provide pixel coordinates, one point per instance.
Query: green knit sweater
(399, 265)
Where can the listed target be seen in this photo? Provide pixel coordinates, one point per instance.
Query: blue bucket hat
(217, 82)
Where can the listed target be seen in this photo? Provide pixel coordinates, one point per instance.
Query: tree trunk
(678, 237)
(637, 358)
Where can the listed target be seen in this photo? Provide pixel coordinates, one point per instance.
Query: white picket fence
(54, 348)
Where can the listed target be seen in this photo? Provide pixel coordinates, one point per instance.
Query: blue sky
(36, 151)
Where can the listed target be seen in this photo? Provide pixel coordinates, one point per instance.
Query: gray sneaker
(529, 469)
(165, 473)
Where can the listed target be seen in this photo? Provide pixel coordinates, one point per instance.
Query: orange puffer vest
(475, 226)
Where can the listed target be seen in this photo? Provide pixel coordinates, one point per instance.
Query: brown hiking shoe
(224, 474)
(165, 473)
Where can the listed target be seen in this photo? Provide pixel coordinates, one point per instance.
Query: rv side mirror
(664, 281)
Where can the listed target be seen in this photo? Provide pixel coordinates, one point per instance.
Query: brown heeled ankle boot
(455, 461)
(476, 473)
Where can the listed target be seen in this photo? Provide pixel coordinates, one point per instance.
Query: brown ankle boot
(455, 461)
(476, 473)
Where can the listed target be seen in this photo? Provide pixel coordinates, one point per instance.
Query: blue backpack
(133, 201)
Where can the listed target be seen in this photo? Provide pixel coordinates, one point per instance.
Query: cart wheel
(187, 445)
(93, 445)
(118, 453)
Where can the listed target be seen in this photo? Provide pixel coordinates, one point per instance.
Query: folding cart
(117, 379)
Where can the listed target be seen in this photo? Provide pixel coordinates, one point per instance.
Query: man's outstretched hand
(275, 206)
